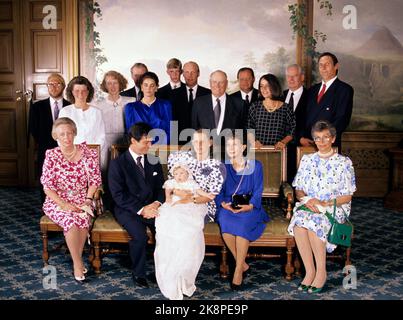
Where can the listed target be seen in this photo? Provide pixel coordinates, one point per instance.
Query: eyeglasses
(324, 139)
(53, 84)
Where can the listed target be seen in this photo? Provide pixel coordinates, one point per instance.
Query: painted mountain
(375, 70)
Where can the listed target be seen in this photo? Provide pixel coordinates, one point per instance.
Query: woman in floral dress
(322, 177)
(70, 178)
(180, 242)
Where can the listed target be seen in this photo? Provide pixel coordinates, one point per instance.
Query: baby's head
(180, 174)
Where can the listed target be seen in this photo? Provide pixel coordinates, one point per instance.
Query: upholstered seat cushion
(277, 226)
(107, 223)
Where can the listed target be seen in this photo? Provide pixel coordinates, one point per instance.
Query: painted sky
(371, 16)
(216, 34)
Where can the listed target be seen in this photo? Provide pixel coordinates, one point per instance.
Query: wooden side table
(394, 199)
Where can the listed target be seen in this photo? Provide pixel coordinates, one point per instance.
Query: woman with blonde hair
(70, 178)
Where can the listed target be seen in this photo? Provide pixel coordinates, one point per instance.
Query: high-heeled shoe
(303, 287)
(79, 279)
(236, 287)
(245, 273)
(85, 270)
(315, 289)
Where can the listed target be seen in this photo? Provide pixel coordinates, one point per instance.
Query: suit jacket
(40, 125)
(131, 93)
(335, 106)
(166, 91)
(255, 95)
(129, 189)
(181, 109)
(299, 114)
(234, 118)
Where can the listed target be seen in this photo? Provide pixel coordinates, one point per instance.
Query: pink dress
(70, 180)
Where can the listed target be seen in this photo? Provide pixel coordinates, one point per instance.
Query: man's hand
(150, 211)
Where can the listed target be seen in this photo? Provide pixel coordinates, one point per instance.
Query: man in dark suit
(183, 98)
(42, 114)
(296, 96)
(174, 71)
(219, 110)
(135, 182)
(137, 70)
(246, 79)
(330, 100)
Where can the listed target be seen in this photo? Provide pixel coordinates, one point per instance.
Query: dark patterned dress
(271, 127)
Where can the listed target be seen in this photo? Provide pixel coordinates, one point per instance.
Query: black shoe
(236, 287)
(139, 281)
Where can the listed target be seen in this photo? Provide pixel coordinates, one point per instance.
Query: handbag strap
(240, 182)
(344, 213)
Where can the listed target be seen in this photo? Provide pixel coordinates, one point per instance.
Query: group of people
(199, 188)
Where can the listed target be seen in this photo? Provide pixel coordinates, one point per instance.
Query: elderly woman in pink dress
(70, 177)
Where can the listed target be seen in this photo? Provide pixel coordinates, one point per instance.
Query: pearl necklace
(70, 155)
(326, 155)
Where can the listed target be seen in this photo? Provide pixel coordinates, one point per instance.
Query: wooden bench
(107, 230)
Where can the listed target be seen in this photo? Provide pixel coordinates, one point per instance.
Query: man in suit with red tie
(135, 182)
(42, 114)
(330, 100)
(296, 96)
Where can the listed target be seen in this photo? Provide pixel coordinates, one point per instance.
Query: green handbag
(340, 233)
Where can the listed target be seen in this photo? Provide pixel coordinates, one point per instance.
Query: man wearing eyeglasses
(42, 114)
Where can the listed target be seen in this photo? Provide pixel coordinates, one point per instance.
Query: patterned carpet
(377, 257)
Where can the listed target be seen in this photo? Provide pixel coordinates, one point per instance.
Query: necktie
(139, 164)
(217, 112)
(321, 93)
(291, 102)
(247, 99)
(56, 110)
(190, 97)
(139, 95)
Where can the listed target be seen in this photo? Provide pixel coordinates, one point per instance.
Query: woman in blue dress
(245, 223)
(151, 110)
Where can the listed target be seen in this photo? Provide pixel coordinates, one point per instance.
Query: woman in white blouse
(112, 108)
(88, 119)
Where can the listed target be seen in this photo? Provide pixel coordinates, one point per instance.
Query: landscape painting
(222, 35)
(371, 58)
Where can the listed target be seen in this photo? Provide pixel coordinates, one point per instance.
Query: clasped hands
(311, 204)
(243, 207)
(150, 211)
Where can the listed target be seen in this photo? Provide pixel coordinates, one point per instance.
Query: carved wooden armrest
(288, 194)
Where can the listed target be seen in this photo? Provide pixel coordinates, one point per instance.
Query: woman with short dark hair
(151, 110)
(323, 178)
(88, 119)
(271, 118)
(244, 222)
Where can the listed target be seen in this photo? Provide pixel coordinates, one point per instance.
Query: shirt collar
(135, 156)
(177, 84)
(329, 83)
(59, 101)
(298, 91)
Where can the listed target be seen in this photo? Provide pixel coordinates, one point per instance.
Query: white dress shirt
(223, 100)
(135, 156)
(297, 96)
(328, 84)
(243, 94)
(193, 92)
(173, 84)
